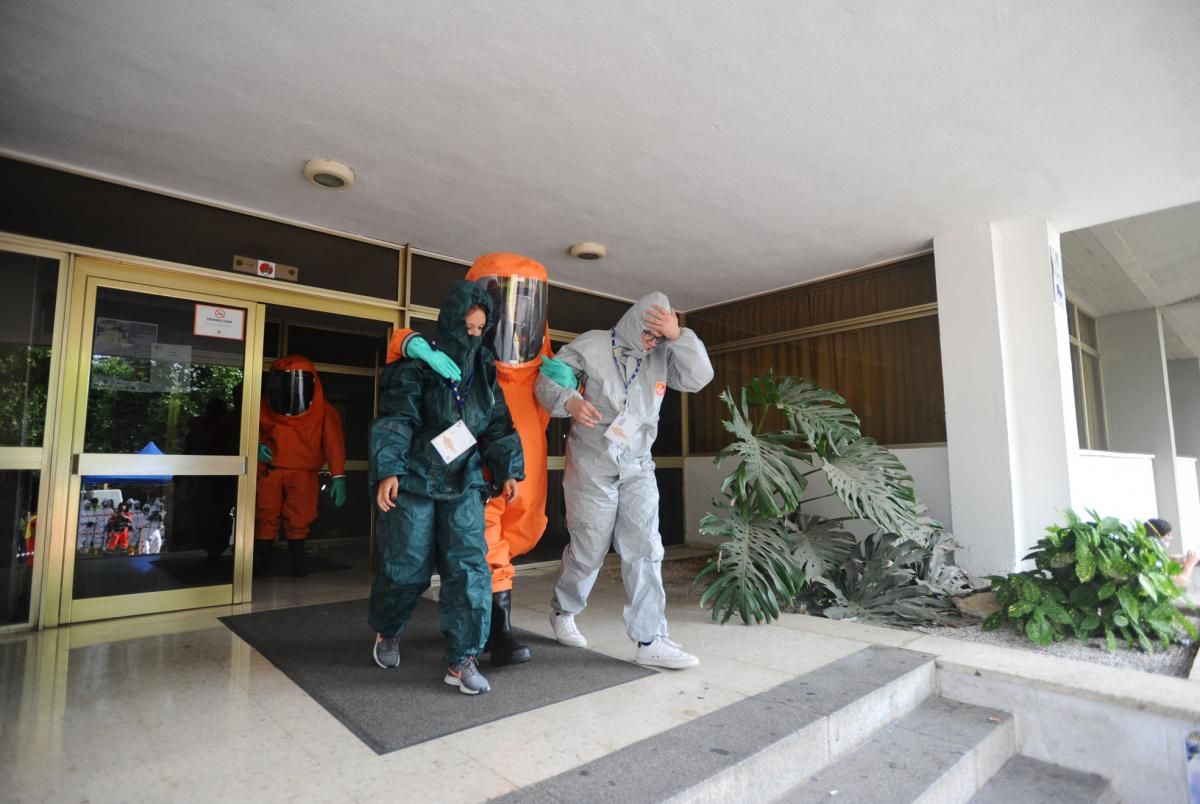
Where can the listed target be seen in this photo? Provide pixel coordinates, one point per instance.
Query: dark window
(431, 278)
(577, 311)
(88, 212)
(338, 348)
(26, 331)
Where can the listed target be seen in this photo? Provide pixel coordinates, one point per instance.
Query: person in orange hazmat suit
(298, 433)
(519, 290)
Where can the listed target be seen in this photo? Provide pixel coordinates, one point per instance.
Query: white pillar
(1184, 377)
(1010, 407)
(1137, 399)
(1184, 383)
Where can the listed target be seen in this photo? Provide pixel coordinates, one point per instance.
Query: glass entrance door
(160, 501)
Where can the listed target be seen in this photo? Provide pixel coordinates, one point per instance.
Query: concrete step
(1032, 781)
(943, 751)
(760, 747)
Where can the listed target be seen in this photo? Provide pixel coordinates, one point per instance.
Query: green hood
(452, 335)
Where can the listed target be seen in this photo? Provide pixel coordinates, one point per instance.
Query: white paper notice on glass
(453, 441)
(220, 322)
(171, 352)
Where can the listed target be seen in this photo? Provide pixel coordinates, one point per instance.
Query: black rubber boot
(262, 557)
(296, 550)
(501, 645)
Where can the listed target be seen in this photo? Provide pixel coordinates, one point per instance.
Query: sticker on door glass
(220, 322)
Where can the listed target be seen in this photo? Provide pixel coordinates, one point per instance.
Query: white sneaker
(662, 652)
(565, 631)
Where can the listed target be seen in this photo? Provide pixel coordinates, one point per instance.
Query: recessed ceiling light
(587, 251)
(328, 174)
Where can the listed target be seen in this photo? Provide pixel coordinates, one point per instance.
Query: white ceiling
(719, 149)
(1146, 261)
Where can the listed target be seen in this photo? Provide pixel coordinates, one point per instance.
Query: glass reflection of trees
(134, 400)
(24, 377)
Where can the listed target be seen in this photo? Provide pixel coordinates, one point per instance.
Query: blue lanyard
(459, 391)
(620, 368)
(455, 387)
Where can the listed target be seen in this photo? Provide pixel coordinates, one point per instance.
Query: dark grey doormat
(326, 650)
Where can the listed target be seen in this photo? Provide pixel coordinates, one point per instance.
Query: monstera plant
(773, 551)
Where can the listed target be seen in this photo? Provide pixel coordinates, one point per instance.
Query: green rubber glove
(264, 453)
(419, 348)
(338, 492)
(559, 373)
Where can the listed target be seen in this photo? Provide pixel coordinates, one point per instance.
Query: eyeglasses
(656, 338)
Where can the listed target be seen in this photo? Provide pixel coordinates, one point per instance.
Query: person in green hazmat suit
(429, 450)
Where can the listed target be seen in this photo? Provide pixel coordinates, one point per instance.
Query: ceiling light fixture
(588, 251)
(328, 174)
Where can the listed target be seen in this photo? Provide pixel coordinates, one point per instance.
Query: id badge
(618, 431)
(453, 441)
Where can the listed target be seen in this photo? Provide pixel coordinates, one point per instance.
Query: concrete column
(1184, 383)
(1010, 407)
(1137, 397)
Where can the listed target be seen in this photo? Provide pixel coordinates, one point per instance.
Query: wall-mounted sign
(1056, 270)
(220, 322)
(266, 269)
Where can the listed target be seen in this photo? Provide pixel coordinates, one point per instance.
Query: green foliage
(771, 551)
(755, 574)
(767, 482)
(157, 403)
(881, 582)
(1094, 578)
(874, 485)
(24, 378)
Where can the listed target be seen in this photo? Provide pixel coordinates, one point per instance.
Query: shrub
(1096, 577)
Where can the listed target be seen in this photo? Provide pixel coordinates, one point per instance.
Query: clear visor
(289, 393)
(519, 312)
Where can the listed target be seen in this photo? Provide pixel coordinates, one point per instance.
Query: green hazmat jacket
(416, 405)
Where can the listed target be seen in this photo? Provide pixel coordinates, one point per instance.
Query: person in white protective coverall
(610, 491)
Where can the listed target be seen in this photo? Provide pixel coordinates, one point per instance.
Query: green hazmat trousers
(438, 520)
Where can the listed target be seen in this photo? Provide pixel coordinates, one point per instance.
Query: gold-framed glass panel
(27, 326)
(159, 449)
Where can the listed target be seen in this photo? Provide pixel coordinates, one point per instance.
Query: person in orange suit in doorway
(519, 290)
(298, 433)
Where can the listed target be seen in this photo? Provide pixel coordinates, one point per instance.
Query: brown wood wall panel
(891, 375)
(902, 284)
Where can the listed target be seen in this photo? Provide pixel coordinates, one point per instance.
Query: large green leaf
(754, 574)
(879, 583)
(819, 546)
(873, 484)
(1038, 629)
(768, 481)
(1085, 561)
(819, 414)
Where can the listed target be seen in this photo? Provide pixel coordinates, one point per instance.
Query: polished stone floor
(175, 707)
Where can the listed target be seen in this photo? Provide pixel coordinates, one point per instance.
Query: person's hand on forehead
(662, 323)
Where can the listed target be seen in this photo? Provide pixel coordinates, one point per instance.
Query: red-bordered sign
(212, 321)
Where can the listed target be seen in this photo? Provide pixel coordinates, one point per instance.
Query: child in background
(1161, 529)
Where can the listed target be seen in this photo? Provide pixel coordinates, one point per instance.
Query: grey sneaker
(387, 651)
(466, 676)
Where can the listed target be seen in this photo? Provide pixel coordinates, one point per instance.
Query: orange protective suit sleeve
(333, 441)
(396, 344)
